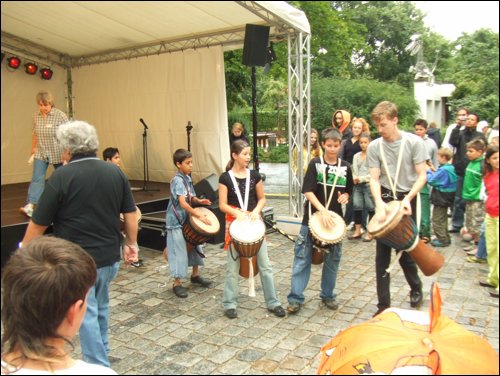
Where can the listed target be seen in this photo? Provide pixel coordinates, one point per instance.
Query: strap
(243, 204)
(189, 199)
(325, 167)
(398, 166)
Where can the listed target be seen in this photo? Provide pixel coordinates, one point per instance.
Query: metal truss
(299, 115)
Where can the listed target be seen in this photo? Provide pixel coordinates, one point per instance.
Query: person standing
(458, 140)
(83, 201)
(241, 196)
(397, 163)
(462, 114)
(341, 120)
(44, 147)
(237, 133)
(327, 186)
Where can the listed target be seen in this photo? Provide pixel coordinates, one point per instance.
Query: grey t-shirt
(414, 152)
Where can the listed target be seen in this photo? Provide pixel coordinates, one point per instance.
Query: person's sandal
(278, 311)
(180, 291)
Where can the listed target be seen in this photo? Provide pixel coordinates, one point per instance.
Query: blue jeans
(231, 290)
(481, 245)
(301, 269)
(457, 220)
(94, 329)
(38, 180)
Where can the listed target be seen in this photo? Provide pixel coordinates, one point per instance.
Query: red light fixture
(46, 73)
(30, 68)
(14, 62)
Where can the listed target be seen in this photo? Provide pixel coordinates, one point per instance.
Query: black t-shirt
(232, 198)
(83, 200)
(313, 182)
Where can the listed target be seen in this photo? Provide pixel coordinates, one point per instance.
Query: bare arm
(225, 207)
(131, 248)
(261, 201)
(33, 231)
(192, 211)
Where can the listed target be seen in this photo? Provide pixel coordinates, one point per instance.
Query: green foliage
(276, 154)
(358, 97)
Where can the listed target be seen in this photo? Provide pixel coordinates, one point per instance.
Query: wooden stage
(152, 202)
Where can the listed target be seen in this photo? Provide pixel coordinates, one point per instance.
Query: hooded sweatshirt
(344, 128)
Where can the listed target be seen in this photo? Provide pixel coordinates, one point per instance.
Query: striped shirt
(47, 147)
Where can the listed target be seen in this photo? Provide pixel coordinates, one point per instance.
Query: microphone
(143, 123)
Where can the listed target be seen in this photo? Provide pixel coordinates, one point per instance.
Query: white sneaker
(350, 226)
(27, 210)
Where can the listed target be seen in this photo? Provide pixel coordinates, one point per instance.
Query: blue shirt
(179, 186)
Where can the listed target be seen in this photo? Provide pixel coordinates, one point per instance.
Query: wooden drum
(247, 237)
(323, 237)
(196, 232)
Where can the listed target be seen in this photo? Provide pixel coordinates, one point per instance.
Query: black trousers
(383, 260)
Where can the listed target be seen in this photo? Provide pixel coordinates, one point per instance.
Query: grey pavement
(154, 332)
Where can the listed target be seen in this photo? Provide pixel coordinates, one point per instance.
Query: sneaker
(201, 281)
(137, 264)
(454, 230)
(350, 226)
(486, 284)
(278, 311)
(27, 210)
(473, 252)
(293, 307)
(439, 243)
(230, 313)
(330, 303)
(476, 260)
(494, 294)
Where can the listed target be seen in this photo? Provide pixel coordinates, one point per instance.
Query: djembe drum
(323, 237)
(399, 231)
(196, 232)
(247, 237)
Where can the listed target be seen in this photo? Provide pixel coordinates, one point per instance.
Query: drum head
(247, 231)
(199, 226)
(324, 234)
(394, 215)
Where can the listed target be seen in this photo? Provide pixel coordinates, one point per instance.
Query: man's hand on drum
(343, 198)
(381, 211)
(327, 218)
(405, 203)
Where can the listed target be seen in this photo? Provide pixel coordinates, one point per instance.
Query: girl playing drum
(241, 196)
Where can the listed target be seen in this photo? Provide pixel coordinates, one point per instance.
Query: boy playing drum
(319, 181)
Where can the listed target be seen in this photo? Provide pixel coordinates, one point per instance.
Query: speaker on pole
(255, 47)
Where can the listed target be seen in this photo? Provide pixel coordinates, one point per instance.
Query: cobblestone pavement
(154, 332)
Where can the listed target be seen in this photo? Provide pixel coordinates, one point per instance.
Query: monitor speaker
(255, 45)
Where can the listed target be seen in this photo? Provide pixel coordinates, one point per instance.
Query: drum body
(399, 231)
(196, 232)
(247, 237)
(122, 219)
(323, 237)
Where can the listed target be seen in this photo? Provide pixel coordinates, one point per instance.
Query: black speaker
(208, 188)
(255, 46)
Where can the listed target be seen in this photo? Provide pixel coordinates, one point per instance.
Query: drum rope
(398, 165)
(273, 226)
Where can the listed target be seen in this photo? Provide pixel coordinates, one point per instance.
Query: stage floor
(14, 197)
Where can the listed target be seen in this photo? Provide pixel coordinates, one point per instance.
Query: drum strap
(189, 200)
(325, 171)
(398, 166)
(243, 204)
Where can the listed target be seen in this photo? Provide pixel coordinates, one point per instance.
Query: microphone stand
(189, 127)
(145, 159)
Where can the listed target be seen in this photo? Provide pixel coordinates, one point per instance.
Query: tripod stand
(145, 159)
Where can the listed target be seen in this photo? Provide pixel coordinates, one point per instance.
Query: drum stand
(145, 160)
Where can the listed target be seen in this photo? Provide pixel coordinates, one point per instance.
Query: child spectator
(491, 185)
(237, 133)
(471, 193)
(44, 299)
(362, 197)
(443, 181)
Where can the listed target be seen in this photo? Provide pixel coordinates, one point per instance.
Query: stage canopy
(117, 62)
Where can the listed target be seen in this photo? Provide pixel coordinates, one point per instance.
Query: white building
(431, 99)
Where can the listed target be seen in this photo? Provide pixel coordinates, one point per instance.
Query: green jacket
(472, 180)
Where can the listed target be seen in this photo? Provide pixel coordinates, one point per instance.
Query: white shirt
(79, 368)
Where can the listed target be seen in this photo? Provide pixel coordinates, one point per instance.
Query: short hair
(40, 282)
(476, 144)
(447, 153)
(45, 97)
(238, 126)
(330, 134)
(475, 114)
(109, 153)
(180, 155)
(78, 137)
(385, 108)
(421, 122)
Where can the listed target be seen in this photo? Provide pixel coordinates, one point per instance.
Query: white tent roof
(75, 33)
